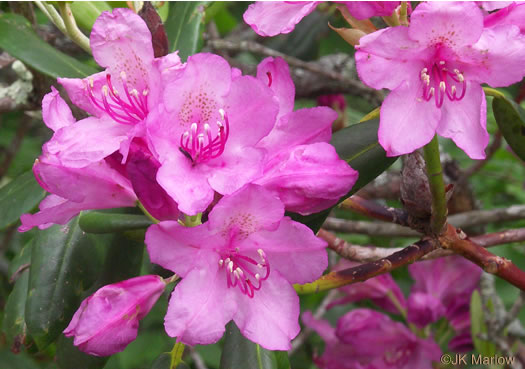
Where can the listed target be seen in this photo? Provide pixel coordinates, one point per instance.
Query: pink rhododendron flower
(121, 96)
(435, 68)
(107, 321)
(443, 287)
(95, 186)
(238, 265)
(367, 339)
(270, 18)
(381, 290)
(205, 134)
(301, 167)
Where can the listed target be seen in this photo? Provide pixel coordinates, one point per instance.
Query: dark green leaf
(183, 26)
(69, 357)
(359, 146)
(239, 352)
(86, 12)
(12, 361)
(164, 361)
(96, 222)
(13, 324)
(478, 327)
(19, 196)
(511, 122)
(19, 40)
(64, 263)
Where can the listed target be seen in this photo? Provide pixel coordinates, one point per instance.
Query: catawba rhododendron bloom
(270, 18)
(238, 265)
(107, 321)
(367, 339)
(435, 68)
(119, 98)
(300, 167)
(94, 186)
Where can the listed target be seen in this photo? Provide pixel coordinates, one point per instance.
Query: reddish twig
(454, 239)
(374, 210)
(498, 238)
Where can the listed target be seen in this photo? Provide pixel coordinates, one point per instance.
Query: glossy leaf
(14, 324)
(69, 357)
(183, 26)
(239, 352)
(86, 12)
(359, 146)
(64, 263)
(97, 222)
(511, 122)
(19, 196)
(479, 327)
(20, 41)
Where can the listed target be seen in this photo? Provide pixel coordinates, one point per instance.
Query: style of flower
(95, 186)
(107, 321)
(300, 167)
(434, 69)
(443, 288)
(238, 265)
(367, 339)
(270, 18)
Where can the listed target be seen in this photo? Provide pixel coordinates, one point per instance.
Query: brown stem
(454, 239)
(498, 238)
(374, 210)
(369, 228)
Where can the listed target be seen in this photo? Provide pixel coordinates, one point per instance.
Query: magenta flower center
(128, 108)
(439, 81)
(203, 146)
(245, 272)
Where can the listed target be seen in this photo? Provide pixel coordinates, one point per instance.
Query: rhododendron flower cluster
(435, 68)
(182, 140)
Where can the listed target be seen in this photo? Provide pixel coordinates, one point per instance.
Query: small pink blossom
(107, 321)
(270, 18)
(434, 69)
(238, 265)
(366, 339)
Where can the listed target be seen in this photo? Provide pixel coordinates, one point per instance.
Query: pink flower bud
(108, 320)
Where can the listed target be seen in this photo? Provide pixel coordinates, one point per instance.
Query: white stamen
(105, 90)
(185, 135)
(456, 71)
(236, 274)
(239, 271)
(259, 266)
(206, 128)
(91, 82)
(221, 112)
(261, 253)
(115, 92)
(145, 92)
(442, 62)
(432, 91)
(134, 92)
(123, 75)
(227, 260)
(461, 78)
(230, 266)
(257, 276)
(221, 263)
(453, 90)
(442, 86)
(424, 70)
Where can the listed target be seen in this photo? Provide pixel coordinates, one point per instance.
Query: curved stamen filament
(200, 147)
(440, 82)
(132, 111)
(245, 272)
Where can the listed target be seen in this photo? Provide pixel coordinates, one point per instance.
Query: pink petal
(453, 25)
(304, 126)
(234, 169)
(252, 111)
(366, 9)
(320, 326)
(177, 248)
(55, 112)
(270, 18)
(308, 178)
(403, 112)
(200, 307)
(386, 58)
(186, 184)
(465, 122)
(76, 89)
(497, 58)
(270, 318)
(293, 250)
(250, 209)
(121, 41)
(87, 141)
(424, 309)
(276, 74)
